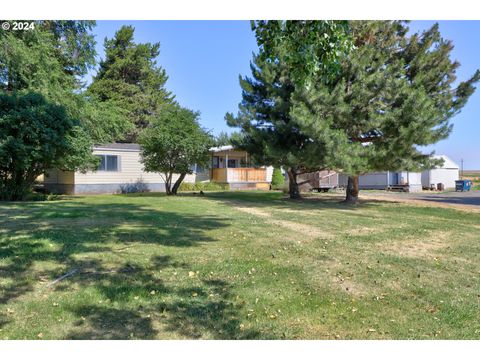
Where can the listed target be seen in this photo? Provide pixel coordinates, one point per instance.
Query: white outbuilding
(387, 180)
(445, 174)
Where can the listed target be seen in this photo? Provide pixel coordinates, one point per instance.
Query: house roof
(447, 162)
(221, 148)
(118, 146)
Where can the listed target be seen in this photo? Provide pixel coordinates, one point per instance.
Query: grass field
(237, 265)
(473, 175)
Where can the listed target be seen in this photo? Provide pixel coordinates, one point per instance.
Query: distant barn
(445, 174)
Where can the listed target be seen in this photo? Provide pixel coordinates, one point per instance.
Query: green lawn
(234, 265)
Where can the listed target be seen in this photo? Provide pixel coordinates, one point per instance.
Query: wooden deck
(239, 175)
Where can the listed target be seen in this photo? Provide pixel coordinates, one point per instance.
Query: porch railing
(228, 175)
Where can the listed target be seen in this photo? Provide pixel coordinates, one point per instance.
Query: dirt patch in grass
(339, 277)
(420, 247)
(363, 230)
(304, 229)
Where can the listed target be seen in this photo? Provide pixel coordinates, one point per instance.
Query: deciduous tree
(35, 136)
(172, 143)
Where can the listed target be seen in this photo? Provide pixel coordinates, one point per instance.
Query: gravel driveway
(468, 199)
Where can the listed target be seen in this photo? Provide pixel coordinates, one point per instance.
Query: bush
(41, 196)
(36, 135)
(203, 186)
(278, 180)
(137, 187)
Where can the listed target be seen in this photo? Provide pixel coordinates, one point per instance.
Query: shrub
(203, 186)
(137, 187)
(278, 180)
(37, 135)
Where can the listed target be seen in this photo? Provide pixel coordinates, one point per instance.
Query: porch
(240, 174)
(233, 167)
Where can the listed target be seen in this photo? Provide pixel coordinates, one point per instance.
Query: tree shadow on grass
(58, 232)
(139, 305)
(136, 301)
(212, 312)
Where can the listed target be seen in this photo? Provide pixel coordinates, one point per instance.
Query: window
(215, 162)
(232, 163)
(108, 163)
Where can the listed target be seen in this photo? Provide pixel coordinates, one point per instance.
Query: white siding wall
(269, 173)
(377, 180)
(444, 176)
(130, 170)
(412, 178)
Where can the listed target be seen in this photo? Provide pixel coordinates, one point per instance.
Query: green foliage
(173, 142)
(309, 48)
(393, 93)
(36, 135)
(292, 54)
(48, 60)
(104, 121)
(224, 138)
(278, 181)
(130, 79)
(202, 186)
(367, 111)
(270, 134)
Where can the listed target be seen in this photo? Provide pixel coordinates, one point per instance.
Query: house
(119, 164)
(233, 168)
(445, 174)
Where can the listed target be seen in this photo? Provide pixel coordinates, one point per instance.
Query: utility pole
(461, 169)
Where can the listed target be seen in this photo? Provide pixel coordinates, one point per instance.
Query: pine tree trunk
(352, 190)
(177, 183)
(292, 184)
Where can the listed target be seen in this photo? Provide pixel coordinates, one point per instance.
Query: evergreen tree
(224, 138)
(130, 78)
(271, 135)
(277, 179)
(393, 93)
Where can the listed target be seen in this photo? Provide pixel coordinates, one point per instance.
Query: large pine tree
(130, 78)
(291, 54)
(393, 93)
(270, 134)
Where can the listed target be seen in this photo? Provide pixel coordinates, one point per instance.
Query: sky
(203, 60)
